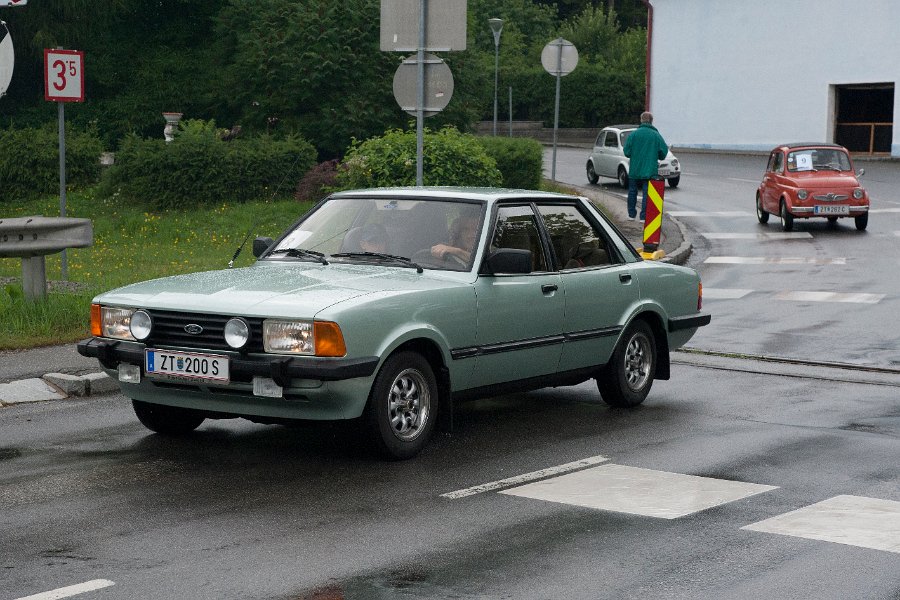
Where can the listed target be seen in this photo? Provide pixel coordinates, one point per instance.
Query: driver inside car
(463, 234)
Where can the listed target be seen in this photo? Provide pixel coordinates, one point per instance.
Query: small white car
(607, 159)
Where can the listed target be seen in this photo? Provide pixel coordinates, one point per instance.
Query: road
(738, 478)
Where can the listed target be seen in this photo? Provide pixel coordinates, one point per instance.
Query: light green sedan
(387, 305)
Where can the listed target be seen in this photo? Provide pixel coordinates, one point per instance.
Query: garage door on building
(864, 117)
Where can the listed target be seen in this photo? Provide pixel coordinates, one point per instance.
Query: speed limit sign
(64, 75)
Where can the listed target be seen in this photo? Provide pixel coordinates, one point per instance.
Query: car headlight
(141, 324)
(802, 194)
(674, 163)
(237, 332)
(858, 193)
(312, 338)
(111, 322)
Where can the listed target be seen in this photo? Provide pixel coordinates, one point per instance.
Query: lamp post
(496, 27)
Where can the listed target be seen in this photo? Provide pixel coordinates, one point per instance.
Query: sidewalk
(59, 372)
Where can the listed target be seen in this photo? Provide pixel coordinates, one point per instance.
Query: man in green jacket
(645, 147)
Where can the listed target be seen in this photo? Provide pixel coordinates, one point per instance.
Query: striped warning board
(653, 218)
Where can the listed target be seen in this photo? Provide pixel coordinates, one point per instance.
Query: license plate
(838, 209)
(664, 172)
(186, 365)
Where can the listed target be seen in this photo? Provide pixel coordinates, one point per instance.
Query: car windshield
(433, 234)
(818, 159)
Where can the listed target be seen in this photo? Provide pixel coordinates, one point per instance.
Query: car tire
(626, 379)
(674, 181)
(862, 221)
(591, 173)
(402, 408)
(762, 215)
(623, 177)
(787, 219)
(167, 420)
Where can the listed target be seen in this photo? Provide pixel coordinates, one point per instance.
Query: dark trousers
(632, 196)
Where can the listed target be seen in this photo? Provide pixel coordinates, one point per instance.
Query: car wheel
(167, 420)
(591, 173)
(402, 406)
(674, 181)
(623, 177)
(862, 221)
(762, 215)
(626, 380)
(787, 219)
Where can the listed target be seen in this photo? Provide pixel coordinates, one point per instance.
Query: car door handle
(549, 287)
(625, 277)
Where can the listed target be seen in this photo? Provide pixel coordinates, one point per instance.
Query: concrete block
(28, 390)
(72, 385)
(100, 383)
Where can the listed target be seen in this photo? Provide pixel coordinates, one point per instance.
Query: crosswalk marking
(769, 260)
(884, 210)
(781, 235)
(638, 491)
(494, 485)
(72, 590)
(852, 520)
(703, 213)
(724, 293)
(799, 296)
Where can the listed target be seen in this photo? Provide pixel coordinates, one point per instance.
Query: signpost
(63, 82)
(420, 26)
(559, 58)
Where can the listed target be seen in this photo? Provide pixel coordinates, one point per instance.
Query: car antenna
(256, 222)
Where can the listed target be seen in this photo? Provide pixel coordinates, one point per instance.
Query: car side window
(575, 242)
(777, 162)
(517, 228)
(611, 141)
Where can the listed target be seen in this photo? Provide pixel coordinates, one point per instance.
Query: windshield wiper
(301, 253)
(390, 257)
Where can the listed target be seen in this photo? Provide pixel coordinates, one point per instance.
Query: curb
(56, 386)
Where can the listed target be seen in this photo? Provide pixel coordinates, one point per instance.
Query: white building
(751, 74)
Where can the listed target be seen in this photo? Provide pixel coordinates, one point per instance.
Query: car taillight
(700, 295)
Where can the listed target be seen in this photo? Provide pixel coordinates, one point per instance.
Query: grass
(131, 244)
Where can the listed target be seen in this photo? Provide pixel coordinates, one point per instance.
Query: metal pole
(559, 44)
(510, 111)
(62, 180)
(496, 71)
(420, 95)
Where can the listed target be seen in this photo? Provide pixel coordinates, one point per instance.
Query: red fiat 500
(804, 181)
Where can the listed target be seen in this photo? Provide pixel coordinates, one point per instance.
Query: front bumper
(278, 367)
(810, 211)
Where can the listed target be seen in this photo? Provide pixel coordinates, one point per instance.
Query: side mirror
(861, 172)
(509, 260)
(261, 244)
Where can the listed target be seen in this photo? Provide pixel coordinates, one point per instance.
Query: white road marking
(897, 233)
(638, 491)
(884, 210)
(724, 293)
(858, 298)
(72, 590)
(509, 481)
(852, 520)
(739, 179)
(765, 260)
(707, 213)
(781, 235)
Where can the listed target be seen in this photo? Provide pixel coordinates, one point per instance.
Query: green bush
(198, 167)
(449, 158)
(520, 160)
(29, 161)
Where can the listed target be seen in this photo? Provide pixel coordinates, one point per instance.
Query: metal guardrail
(33, 238)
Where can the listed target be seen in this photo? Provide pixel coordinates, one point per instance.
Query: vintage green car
(389, 304)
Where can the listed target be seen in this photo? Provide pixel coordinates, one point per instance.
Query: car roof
(450, 193)
(621, 127)
(809, 145)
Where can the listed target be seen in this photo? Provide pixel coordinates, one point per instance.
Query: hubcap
(409, 404)
(637, 362)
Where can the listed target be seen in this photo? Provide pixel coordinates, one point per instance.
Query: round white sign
(6, 59)
(559, 57)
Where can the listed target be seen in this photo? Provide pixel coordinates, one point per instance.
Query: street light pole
(496, 27)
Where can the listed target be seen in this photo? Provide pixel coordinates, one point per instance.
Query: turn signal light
(96, 330)
(329, 339)
(700, 295)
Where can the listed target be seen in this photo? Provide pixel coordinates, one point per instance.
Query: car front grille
(831, 197)
(170, 329)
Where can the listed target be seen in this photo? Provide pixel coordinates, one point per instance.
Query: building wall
(748, 75)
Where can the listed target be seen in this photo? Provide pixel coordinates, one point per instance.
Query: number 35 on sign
(64, 75)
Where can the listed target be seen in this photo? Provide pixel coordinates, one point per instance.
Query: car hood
(824, 180)
(276, 289)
